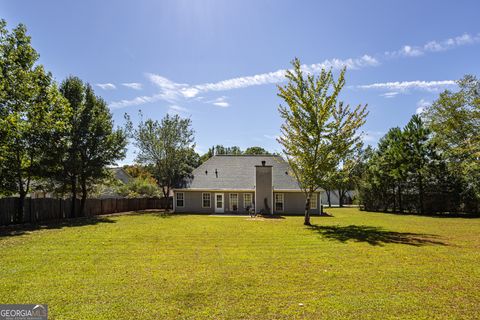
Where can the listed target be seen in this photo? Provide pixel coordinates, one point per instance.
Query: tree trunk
(400, 205)
(307, 212)
(166, 195)
(73, 208)
(21, 206)
(84, 199)
(420, 191)
(328, 198)
(341, 194)
(394, 200)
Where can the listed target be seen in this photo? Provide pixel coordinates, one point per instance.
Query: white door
(219, 203)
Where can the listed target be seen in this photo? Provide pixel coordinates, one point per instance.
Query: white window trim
(312, 203)
(250, 203)
(275, 202)
(210, 199)
(230, 206)
(176, 199)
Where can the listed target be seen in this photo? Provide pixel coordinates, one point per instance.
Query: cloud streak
(435, 46)
(220, 102)
(173, 92)
(106, 86)
(404, 86)
(133, 85)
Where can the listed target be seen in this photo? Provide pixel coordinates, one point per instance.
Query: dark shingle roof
(238, 173)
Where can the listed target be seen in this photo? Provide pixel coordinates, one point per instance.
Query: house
(109, 190)
(44, 189)
(235, 183)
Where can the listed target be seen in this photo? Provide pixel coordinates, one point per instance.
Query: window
(180, 199)
(206, 200)
(314, 201)
(278, 201)
(233, 201)
(247, 201)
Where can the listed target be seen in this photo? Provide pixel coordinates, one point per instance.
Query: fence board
(47, 209)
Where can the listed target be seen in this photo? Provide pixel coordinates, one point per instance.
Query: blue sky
(218, 62)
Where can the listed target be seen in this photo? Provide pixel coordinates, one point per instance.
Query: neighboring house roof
(237, 172)
(120, 174)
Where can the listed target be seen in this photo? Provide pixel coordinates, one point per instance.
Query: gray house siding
(294, 202)
(193, 201)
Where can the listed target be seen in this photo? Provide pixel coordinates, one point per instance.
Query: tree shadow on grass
(18, 230)
(153, 212)
(459, 215)
(375, 236)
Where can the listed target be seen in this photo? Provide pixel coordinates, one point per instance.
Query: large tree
(454, 119)
(31, 111)
(319, 131)
(168, 147)
(419, 158)
(403, 170)
(91, 144)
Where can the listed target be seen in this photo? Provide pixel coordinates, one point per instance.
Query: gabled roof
(120, 174)
(236, 172)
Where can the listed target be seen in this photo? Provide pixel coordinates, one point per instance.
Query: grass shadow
(270, 216)
(375, 236)
(18, 230)
(161, 213)
(460, 215)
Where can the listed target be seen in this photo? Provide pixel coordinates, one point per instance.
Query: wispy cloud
(390, 95)
(173, 92)
(422, 104)
(106, 86)
(133, 85)
(174, 109)
(136, 101)
(279, 75)
(404, 86)
(435, 46)
(220, 102)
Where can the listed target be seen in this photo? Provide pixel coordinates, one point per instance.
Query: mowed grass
(354, 265)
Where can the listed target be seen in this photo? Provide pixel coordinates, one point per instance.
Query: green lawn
(354, 265)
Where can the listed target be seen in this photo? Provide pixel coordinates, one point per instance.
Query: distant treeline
(433, 163)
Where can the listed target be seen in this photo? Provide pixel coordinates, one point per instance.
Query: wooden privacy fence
(45, 209)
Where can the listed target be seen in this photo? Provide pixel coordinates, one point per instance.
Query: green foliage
(90, 145)
(432, 167)
(454, 119)
(140, 187)
(345, 177)
(221, 150)
(32, 113)
(318, 130)
(255, 151)
(354, 265)
(235, 150)
(140, 171)
(168, 147)
(406, 172)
